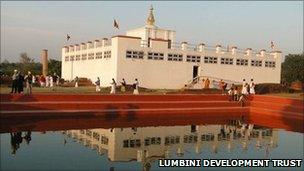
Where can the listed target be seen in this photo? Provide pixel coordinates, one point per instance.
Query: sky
(32, 26)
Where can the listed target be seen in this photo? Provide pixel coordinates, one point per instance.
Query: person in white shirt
(51, 82)
(76, 81)
(252, 86)
(113, 86)
(47, 81)
(97, 83)
(136, 87)
(244, 87)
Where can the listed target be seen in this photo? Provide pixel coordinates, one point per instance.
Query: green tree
(293, 68)
(54, 66)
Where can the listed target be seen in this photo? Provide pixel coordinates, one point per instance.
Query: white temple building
(151, 55)
(148, 144)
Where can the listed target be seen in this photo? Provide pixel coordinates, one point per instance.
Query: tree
(26, 63)
(54, 66)
(293, 68)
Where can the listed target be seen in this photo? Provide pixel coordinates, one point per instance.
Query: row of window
(135, 54)
(193, 58)
(170, 140)
(103, 139)
(89, 56)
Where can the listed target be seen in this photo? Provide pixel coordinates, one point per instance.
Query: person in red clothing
(42, 81)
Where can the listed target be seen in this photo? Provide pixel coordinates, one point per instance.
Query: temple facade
(151, 55)
(148, 144)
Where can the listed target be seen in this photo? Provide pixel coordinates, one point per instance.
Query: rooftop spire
(150, 20)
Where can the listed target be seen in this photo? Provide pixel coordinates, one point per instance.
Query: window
(91, 56)
(135, 54)
(66, 58)
(98, 55)
(270, 64)
(77, 48)
(210, 60)
(155, 56)
(190, 138)
(207, 137)
(72, 49)
(172, 140)
(131, 143)
(227, 61)
(84, 57)
(192, 58)
(257, 63)
(66, 50)
(107, 54)
(104, 140)
(175, 57)
(77, 57)
(243, 62)
(96, 136)
(152, 141)
(72, 58)
(88, 132)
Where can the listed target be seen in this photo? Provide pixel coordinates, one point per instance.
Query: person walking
(203, 83)
(20, 83)
(236, 94)
(244, 87)
(123, 86)
(47, 81)
(97, 83)
(113, 86)
(252, 86)
(29, 83)
(207, 83)
(14, 81)
(230, 93)
(42, 81)
(56, 79)
(136, 87)
(51, 83)
(76, 81)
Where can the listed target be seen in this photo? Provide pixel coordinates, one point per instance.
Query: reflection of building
(147, 144)
(151, 54)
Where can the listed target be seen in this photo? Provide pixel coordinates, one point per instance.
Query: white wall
(105, 68)
(164, 73)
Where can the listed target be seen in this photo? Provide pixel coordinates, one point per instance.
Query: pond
(140, 147)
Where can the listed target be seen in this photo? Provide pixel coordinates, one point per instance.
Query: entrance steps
(152, 105)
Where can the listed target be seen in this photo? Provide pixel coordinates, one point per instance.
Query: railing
(213, 80)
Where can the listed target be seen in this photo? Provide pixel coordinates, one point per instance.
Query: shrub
(271, 88)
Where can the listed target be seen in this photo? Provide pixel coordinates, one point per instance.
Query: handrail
(197, 79)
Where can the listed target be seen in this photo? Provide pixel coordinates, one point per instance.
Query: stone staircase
(117, 105)
(198, 82)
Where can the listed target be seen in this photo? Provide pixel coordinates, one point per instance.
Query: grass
(106, 90)
(85, 90)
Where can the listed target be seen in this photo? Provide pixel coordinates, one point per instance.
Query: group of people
(17, 139)
(123, 86)
(239, 95)
(212, 84)
(18, 80)
(49, 81)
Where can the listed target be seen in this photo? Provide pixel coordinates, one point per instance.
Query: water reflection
(17, 139)
(148, 144)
